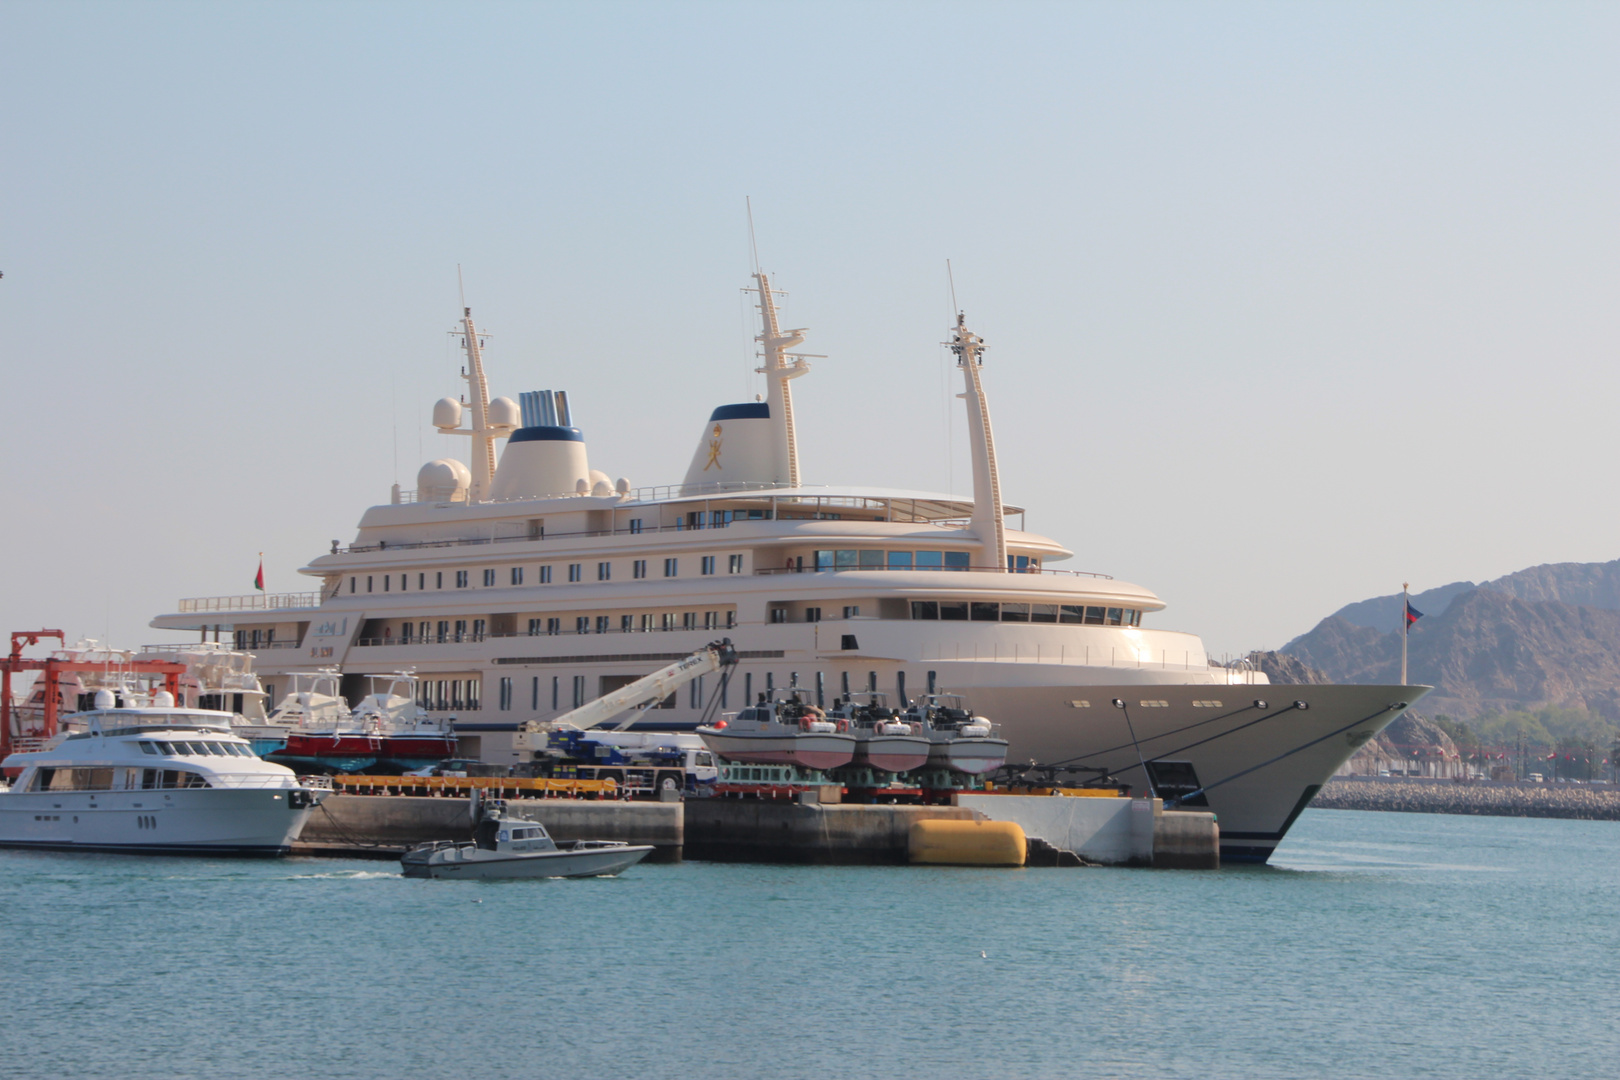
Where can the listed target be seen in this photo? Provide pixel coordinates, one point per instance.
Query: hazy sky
(1287, 303)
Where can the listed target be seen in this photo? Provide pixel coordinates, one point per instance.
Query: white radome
(447, 413)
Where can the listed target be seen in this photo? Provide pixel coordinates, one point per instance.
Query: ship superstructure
(523, 591)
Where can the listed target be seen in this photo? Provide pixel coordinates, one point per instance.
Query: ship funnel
(738, 447)
(546, 456)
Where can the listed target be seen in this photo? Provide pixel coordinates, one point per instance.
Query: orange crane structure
(52, 669)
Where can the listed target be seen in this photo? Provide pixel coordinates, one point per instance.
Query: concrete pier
(354, 823)
(1060, 831)
(1109, 832)
(769, 830)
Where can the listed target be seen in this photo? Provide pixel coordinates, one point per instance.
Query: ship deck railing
(250, 602)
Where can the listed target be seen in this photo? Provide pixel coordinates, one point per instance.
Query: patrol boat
(506, 846)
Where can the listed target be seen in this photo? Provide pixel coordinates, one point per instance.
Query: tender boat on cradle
(510, 847)
(153, 780)
(782, 729)
(958, 740)
(411, 739)
(322, 735)
(883, 741)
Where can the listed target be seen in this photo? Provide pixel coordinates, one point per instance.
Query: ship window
(368, 583)
(731, 619)
(953, 610)
(1070, 613)
(812, 614)
(984, 611)
(574, 573)
(688, 620)
(387, 581)
(168, 748)
(602, 624)
(149, 778)
(1115, 616)
(1094, 616)
(925, 609)
(478, 630)
(635, 525)
(778, 615)
(421, 581)
(148, 748)
(1014, 613)
(351, 585)
(734, 564)
(405, 633)
(556, 680)
(671, 567)
(638, 569)
(846, 560)
(930, 560)
(899, 560)
(711, 619)
(706, 565)
(517, 575)
(582, 624)
(646, 624)
(604, 571)
(506, 692)
(958, 560)
(545, 575)
(852, 611)
(461, 629)
(438, 580)
(627, 623)
(461, 579)
(1043, 613)
(824, 560)
(579, 690)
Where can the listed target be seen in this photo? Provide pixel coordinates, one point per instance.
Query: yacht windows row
(105, 779)
(884, 559)
(992, 611)
(448, 631)
(708, 566)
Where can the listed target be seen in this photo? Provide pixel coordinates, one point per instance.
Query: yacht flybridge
(523, 586)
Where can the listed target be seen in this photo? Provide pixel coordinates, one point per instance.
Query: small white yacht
(155, 780)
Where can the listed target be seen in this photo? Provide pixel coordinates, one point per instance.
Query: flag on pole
(1412, 614)
(258, 579)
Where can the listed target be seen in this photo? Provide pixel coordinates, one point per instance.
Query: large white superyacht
(522, 588)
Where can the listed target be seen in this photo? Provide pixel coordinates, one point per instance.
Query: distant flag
(1412, 614)
(258, 579)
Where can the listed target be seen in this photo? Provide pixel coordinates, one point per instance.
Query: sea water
(1374, 945)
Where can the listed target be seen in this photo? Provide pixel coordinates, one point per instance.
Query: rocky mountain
(1546, 636)
(1582, 584)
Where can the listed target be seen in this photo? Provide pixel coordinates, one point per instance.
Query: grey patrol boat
(507, 847)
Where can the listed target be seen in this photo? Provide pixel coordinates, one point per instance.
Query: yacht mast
(777, 372)
(988, 522)
(483, 448)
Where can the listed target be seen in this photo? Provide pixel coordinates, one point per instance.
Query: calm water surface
(1375, 945)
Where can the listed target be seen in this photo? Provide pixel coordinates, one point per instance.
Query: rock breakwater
(1503, 800)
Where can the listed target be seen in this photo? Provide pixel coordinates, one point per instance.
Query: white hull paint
(808, 751)
(202, 821)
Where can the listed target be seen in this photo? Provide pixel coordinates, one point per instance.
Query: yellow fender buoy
(967, 843)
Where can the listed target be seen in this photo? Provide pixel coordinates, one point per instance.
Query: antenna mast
(988, 521)
(483, 437)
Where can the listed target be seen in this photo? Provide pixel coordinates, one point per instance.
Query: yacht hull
(808, 751)
(205, 821)
(975, 757)
(1259, 765)
(892, 753)
(492, 866)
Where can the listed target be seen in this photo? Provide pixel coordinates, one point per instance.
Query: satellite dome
(622, 486)
(447, 413)
(504, 413)
(105, 699)
(163, 700)
(601, 488)
(442, 479)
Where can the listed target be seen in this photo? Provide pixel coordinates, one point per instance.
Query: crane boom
(661, 683)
